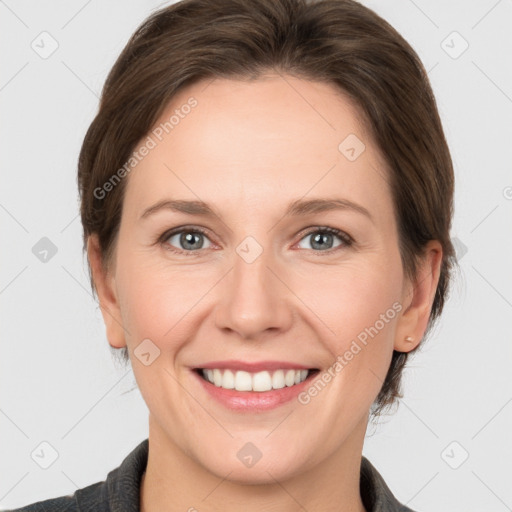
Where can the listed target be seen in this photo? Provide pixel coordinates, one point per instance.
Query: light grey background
(58, 381)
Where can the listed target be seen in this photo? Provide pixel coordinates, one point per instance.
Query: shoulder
(376, 495)
(120, 490)
(90, 498)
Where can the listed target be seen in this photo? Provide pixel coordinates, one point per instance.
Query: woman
(266, 202)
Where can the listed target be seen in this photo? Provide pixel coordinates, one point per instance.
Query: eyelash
(347, 240)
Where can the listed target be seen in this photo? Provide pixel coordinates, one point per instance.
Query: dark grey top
(120, 491)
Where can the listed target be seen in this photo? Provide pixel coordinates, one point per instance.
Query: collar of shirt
(120, 492)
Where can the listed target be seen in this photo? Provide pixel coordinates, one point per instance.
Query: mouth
(256, 382)
(253, 386)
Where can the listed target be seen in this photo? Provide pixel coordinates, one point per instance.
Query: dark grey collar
(121, 490)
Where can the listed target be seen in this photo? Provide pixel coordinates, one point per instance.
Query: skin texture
(249, 149)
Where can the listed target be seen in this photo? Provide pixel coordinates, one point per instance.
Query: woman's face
(254, 284)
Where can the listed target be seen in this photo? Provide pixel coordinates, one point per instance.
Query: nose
(254, 299)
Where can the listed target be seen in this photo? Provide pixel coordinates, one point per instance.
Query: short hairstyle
(339, 42)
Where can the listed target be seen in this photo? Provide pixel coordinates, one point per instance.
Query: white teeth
(260, 381)
(228, 380)
(289, 378)
(278, 379)
(217, 377)
(243, 381)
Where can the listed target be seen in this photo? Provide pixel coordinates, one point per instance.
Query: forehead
(272, 139)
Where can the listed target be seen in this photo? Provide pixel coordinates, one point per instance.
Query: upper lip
(254, 366)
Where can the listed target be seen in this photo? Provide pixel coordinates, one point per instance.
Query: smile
(253, 389)
(259, 381)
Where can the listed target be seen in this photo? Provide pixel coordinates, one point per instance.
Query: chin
(252, 466)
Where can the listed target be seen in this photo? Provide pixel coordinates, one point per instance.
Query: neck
(174, 482)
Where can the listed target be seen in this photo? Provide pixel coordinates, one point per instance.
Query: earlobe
(418, 298)
(104, 283)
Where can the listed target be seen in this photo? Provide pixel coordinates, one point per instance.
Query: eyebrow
(299, 207)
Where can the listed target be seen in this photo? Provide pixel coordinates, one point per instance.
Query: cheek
(156, 298)
(350, 298)
(356, 307)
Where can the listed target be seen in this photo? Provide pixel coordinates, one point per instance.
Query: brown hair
(339, 42)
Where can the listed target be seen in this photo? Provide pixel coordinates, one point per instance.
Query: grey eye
(322, 240)
(188, 240)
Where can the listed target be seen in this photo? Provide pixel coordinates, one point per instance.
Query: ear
(417, 299)
(104, 283)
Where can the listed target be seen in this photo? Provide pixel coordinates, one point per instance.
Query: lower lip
(253, 400)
